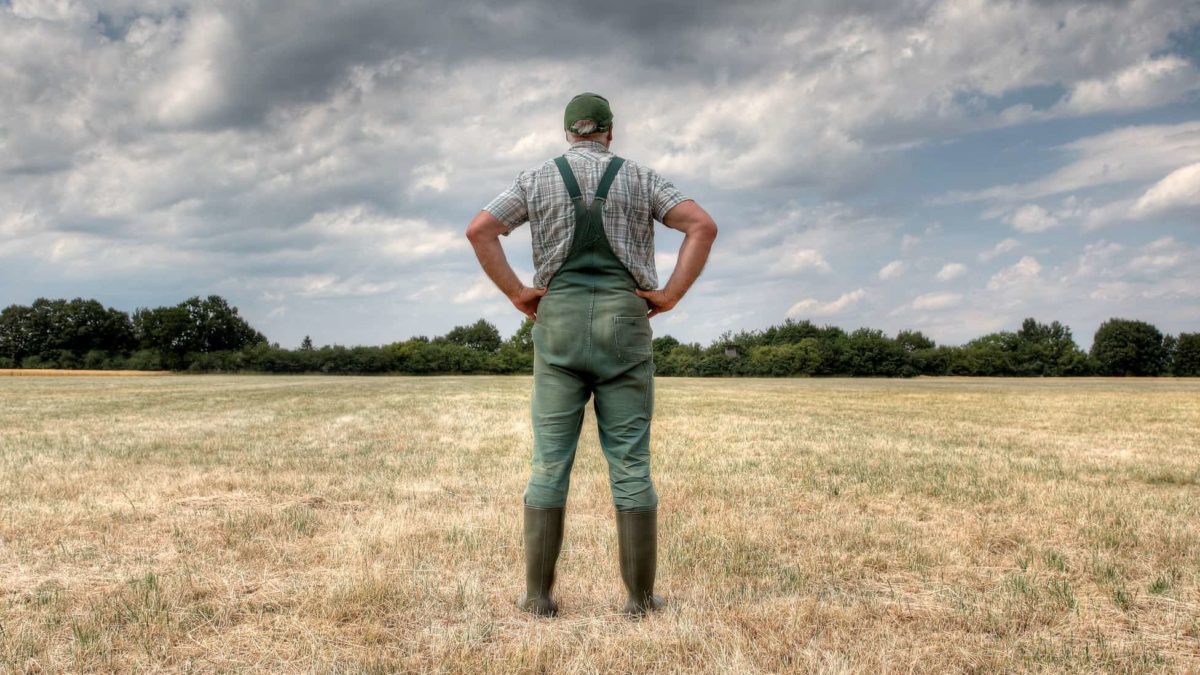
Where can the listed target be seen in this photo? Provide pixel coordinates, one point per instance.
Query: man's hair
(583, 127)
(585, 130)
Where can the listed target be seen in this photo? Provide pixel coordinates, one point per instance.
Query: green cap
(588, 106)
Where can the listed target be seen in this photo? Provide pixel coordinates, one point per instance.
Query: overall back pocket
(633, 338)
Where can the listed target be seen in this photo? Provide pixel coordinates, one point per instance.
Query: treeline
(208, 335)
(1120, 347)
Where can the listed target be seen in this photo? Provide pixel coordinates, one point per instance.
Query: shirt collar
(594, 146)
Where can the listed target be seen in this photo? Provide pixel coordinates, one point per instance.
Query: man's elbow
(478, 231)
(706, 230)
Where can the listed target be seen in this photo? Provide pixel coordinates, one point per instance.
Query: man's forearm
(693, 254)
(495, 265)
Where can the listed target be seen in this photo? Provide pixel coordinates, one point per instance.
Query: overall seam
(591, 312)
(649, 378)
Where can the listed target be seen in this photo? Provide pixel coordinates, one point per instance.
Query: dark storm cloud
(284, 52)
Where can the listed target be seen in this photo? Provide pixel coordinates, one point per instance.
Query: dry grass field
(372, 524)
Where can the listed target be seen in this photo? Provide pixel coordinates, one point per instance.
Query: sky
(949, 167)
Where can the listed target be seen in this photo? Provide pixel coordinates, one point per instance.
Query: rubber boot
(543, 541)
(637, 540)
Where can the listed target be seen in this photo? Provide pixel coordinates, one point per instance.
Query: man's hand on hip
(526, 299)
(659, 301)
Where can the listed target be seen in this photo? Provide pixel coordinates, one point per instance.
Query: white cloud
(434, 177)
(1095, 260)
(999, 249)
(892, 270)
(814, 307)
(314, 286)
(1032, 218)
(1104, 215)
(400, 239)
(1166, 243)
(801, 260)
(196, 90)
(1135, 153)
(1112, 291)
(1159, 255)
(482, 289)
(1151, 83)
(1180, 189)
(936, 300)
(1154, 263)
(1026, 270)
(951, 271)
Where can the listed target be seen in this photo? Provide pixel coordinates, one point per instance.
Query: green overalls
(592, 335)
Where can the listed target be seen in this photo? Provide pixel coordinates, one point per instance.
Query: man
(592, 298)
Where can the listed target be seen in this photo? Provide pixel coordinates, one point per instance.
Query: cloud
(800, 260)
(321, 286)
(1146, 264)
(1180, 189)
(1159, 255)
(1025, 271)
(1096, 260)
(1032, 218)
(814, 307)
(481, 289)
(1153, 82)
(951, 271)
(892, 270)
(1112, 291)
(937, 300)
(1001, 247)
(1134, 153)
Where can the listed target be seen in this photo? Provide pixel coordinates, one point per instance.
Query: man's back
(638, 197)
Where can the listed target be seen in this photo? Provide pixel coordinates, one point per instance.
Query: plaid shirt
(637, 198)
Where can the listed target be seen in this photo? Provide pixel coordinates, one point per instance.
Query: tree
(18, 337)
(306, 344)
(871, 353)
(1047, 349)
(193, 326)
(662, 347)
(215, 326)
(992, 354)
(801, 358)
(912, 340)
(481, 336)
(1187, 355)
(1170, 348)
(1128, 347)
(522, 339)
(61, 331)
(681, 360)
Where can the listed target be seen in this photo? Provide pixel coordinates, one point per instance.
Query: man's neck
(589, 143)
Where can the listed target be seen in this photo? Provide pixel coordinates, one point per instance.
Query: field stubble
(372, 524)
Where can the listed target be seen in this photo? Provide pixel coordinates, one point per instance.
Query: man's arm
(484, 232)
(699, 231)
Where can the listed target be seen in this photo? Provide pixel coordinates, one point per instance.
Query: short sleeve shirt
(638, 197)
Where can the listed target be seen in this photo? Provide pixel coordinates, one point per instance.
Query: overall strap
(614, 165)
(589, 220)
(568, 178)
(606, 181)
